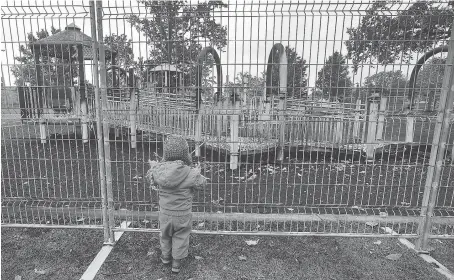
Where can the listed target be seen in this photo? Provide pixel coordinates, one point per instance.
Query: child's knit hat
(177, 148)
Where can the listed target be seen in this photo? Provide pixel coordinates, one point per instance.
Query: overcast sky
(314, 29)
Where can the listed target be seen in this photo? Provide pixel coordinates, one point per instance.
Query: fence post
(105, 124)
(99, 135)
(132, 107)
(372, 126)
(410, 129)
(452, 151)
(438, 149)
(234, 140)
(381, 118)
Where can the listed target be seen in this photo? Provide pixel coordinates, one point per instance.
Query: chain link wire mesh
(301, 115)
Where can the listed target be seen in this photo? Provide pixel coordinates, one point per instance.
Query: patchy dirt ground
(65, 254)
(64, 172)
(66, 168)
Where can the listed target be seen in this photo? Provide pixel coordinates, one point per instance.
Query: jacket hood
(170, 174)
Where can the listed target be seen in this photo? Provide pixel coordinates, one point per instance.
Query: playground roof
(166, 67)
(70, 36)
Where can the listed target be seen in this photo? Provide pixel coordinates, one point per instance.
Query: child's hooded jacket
(176, 182)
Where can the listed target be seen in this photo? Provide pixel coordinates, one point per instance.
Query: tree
(296, 74)
(430, 80)
(431, 74)
(122, 46)
(246, 86)
(386, 80)
(175, 31)
(334, 81)
(390, 35)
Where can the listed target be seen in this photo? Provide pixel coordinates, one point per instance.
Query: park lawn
(66, 253)
(46, 254)
(229, 257)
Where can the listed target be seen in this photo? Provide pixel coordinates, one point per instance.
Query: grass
(272, 258)
(47, 253)
(66, 253)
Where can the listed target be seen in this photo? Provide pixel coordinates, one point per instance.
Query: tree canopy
(387, 34)
(122, 46)
(246, 85)
(334, 82)
(386, 79)
(431, 74)
(175, 31)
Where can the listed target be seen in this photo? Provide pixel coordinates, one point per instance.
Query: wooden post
(115, 83)
(83, 99)
(372, 127)
(234, 140)
(381, 118)
(303, 125)
(198, 132)
(409, 132)
(133, 107)
(84, 120)
(77, 107)
(339, 130)
(73, 99)
(117, 132)
(42, 131)
(132, 119)
(41, 102)
(219, 117)
(430, 101)
(282, 95)
(357, 124)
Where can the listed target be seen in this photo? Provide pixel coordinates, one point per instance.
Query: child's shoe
(165, 259)
(176, 265)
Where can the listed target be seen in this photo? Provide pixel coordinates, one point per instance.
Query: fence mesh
(302, 116)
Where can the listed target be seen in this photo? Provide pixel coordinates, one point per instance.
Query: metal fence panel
(324, 185)
(332, 152)
(49, 145)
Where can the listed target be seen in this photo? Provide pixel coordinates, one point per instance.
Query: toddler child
(176, 180)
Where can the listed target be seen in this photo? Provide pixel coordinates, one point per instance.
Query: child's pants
(175, 231)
